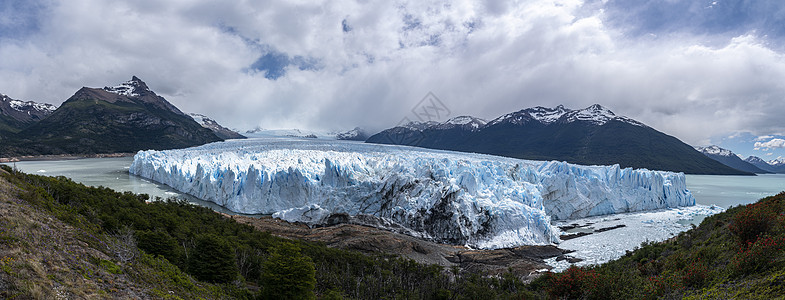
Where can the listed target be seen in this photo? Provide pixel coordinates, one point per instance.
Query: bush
(753, 221)
(758, 255)
(695, 274)
(576, 283)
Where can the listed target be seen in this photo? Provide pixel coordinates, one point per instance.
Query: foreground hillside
(738, 254)
(83, 242)
(60, 239)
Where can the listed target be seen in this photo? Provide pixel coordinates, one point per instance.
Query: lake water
(725, 191)
(108, 172)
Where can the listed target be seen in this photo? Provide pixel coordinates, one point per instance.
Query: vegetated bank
(94, 242)
(737, 254)
(172, 249)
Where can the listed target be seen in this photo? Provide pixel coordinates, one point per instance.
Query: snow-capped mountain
(593, 136)
(23, 112)
(220, 131)
(459, 198)
(136, 91)
(420, 126)
(124, 118)
(464, 122)
(769, 166)
(595, 114)
(777, 162)
(715, 150)
(730, 159)
(356, 134)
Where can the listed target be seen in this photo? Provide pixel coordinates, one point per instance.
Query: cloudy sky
(704, 71)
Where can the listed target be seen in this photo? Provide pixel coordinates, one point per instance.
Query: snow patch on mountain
(419, 126)
(130, 88)
(27, 106)
(595, 114)
(356, 134)
(467, 122)
(755, 159)
(30, 105)
(715, 150)
(469, 199)
(777, 162)
(547, 115)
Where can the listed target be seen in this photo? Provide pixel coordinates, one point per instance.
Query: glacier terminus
(481, 201)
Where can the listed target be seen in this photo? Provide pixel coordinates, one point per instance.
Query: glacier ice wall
(458, 198)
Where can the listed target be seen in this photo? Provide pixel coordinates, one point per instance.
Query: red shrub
(576, 283)
(758, 255)
(753, 221)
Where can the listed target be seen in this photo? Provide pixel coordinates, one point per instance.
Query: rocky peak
(132, 88)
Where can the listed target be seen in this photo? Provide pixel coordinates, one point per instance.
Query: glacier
(477, 200)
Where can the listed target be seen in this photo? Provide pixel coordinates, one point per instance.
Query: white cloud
(772, 144)
(763, 138)
(479, 59)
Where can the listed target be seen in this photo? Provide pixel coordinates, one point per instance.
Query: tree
(288, 274)
(212, 259)
(158, 243)
(124, 245)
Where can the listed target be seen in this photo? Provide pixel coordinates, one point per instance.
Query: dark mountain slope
(126, 118)
(16, 114)
(591, 136)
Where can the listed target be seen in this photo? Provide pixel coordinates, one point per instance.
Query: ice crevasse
(476, 200)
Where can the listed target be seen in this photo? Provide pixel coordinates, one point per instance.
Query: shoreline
(526, 262)
(62, 157)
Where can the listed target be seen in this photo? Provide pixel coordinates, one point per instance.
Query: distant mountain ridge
(123, 118)
(356, 134)
(220, 131)
(589, 136)
(772, 166)
(17, 114)
(730, 159)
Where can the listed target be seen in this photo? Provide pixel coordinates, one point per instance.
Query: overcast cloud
(698, 70)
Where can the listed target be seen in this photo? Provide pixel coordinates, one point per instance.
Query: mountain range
(356, 134)
(589, 136)
(220, 131)
(773, 166)
(730, 159)
(752, 164)
(17, 114)
(123, 118)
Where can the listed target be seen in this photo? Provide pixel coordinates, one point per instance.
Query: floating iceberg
(477, 200)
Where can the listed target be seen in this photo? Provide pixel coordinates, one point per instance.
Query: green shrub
(110, 267)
